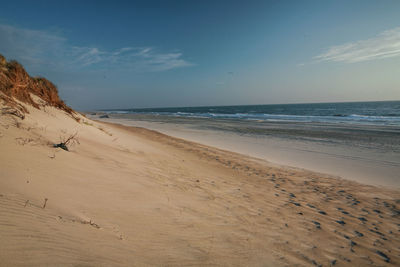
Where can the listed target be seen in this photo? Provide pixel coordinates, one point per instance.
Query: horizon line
(205, 106)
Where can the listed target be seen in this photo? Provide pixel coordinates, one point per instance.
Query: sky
(134, 54)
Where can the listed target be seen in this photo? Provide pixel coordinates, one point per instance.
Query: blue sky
(122, 54)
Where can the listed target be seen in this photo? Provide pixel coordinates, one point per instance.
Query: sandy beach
(366, 154)
(129, 196)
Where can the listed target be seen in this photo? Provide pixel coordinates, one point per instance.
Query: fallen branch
(62, 146)
(69, 141)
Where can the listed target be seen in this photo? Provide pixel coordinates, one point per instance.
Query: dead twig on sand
(71, 140)
(45, 202)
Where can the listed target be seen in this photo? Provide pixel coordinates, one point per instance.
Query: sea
(370, 113)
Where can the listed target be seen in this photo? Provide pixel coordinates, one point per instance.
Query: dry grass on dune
(16, 83)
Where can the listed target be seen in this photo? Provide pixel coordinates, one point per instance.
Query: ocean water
(369, 113)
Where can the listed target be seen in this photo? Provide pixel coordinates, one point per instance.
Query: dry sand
(129, 196)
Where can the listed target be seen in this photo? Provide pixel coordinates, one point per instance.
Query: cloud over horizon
(384, 45)
(37, 47)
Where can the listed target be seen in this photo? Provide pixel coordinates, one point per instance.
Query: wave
(116, 111)
(335, 118)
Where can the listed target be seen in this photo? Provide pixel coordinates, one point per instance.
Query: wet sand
(361, 153)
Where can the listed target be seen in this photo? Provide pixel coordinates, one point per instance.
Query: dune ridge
(128, 196)
(16, 84)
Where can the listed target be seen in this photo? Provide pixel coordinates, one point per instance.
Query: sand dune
(128, 196)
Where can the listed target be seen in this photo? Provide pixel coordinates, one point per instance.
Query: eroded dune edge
(124, 196)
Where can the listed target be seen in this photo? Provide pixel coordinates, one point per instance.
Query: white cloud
(384, 45)
(38, 48)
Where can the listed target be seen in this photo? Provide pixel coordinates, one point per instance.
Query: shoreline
(128, 195)
(176, 141)
(374, 166)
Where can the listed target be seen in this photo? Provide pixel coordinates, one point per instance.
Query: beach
(360, 152)
(124, 196)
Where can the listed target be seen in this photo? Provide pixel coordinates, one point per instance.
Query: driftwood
(70, 140)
